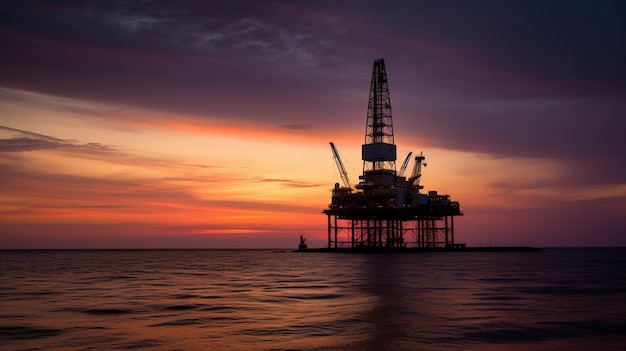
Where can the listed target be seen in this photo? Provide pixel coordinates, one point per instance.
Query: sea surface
(556, 299)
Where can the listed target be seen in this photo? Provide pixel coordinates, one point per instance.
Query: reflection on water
(272, 300)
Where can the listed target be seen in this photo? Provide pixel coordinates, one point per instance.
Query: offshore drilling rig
(385, 209)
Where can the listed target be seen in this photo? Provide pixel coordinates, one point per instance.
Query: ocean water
(556, 299)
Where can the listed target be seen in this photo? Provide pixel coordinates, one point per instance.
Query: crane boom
(417, 170)
(342, 169)
(405, 164)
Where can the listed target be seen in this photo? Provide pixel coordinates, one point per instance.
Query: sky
(205, 124)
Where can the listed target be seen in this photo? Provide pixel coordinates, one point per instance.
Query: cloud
(123, 185)
(298, 126)
(201, 166)
(29, 141)
(286, 63)
(27, 144)
(543, 41)
(581, 134)
(31, 193)
(506, 80)
(201, 59)
(263, 31)
(289, 182)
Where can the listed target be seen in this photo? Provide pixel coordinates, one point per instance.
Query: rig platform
(387, 211)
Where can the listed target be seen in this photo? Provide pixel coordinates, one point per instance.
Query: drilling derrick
(387, 210)
(379, 151)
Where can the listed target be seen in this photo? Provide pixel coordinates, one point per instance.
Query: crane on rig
(342, 170)
(417, 170)
(405, 164)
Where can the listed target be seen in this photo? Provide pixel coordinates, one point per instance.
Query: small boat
(302, 245)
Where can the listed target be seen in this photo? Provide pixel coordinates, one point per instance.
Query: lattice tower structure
(379, 151)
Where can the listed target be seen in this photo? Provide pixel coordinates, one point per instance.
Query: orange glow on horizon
(188, 175)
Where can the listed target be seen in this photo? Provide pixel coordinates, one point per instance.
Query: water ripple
(196, 300)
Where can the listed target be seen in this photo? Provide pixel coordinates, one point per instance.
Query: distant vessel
(302, 245)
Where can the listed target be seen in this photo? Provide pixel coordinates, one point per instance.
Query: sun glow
(209, 180)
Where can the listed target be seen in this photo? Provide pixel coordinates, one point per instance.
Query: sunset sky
(205, 124)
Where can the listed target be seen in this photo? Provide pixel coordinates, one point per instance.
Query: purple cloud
(29, 141)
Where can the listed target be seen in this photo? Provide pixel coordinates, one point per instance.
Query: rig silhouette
(385, 209)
